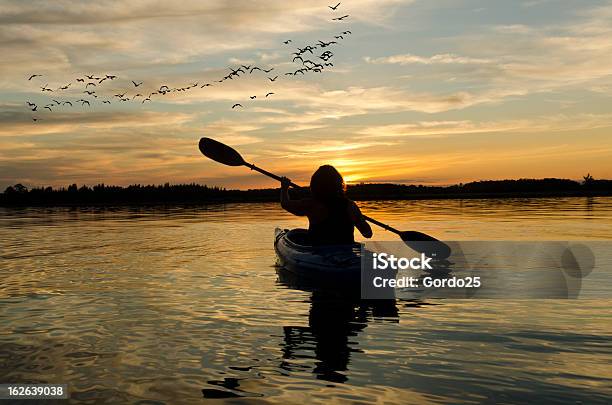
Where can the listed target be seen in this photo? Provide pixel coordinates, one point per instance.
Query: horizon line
(273, 188)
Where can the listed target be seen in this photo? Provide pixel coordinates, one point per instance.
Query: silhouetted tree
(195, 193)
(20, 188)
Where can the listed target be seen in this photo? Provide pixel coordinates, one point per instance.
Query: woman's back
(331, 223)
(332, 217)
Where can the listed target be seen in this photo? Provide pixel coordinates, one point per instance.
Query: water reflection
(232, 388)
(153, 305)
(335, 317)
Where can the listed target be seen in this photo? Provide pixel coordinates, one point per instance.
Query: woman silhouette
(331, 216)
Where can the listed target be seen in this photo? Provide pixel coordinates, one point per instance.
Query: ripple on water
(172, 305)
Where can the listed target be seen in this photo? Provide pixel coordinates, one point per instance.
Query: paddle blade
(220, 152)
(424, 243)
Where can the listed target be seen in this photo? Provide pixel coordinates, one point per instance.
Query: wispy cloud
(443, 59)
(550, 124)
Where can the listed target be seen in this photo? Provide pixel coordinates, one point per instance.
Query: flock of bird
(311, 58)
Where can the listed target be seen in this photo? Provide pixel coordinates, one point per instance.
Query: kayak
(330, 263)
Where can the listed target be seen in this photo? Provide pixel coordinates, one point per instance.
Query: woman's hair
(327, 183)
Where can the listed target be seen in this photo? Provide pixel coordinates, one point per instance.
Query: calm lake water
(155, 305)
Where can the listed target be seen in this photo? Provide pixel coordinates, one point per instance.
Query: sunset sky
(430, 92)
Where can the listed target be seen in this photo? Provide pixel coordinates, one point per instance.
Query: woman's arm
(296, 207)
(359, 222)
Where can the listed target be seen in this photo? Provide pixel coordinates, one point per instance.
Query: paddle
(418, 241)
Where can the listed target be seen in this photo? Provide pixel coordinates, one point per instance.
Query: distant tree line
(133, 194)
(486, 188)
(137, 194)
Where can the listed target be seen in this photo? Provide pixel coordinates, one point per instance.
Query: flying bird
(136, 84)
(111, 77)
(254, 68)
(298, 57)
(106, 102)
(269, 70)
(269, 94)
(67, 102)
(334, 7)
(346, 32)
(253, 97)
(56, 102)
(48, 108)
(205, 85)
(65, 87)
(146, 99)
(136, 95)
(45, 88)
(313, 65)
(102, 79)
(338, 37)
(273, 78)
(119, 95)
(287, 41)
(340, 18)
(33, 76)
(35, 119)
(236, 105)
(83, 102)
(90, 84)
(306, 49)
(81, 80)
(30, 104)
(326, 44)
(89, 93)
